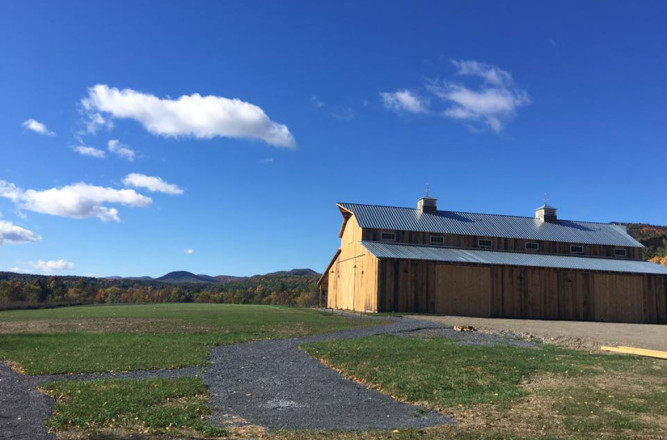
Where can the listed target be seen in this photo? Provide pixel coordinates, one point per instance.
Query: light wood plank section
(638, 351)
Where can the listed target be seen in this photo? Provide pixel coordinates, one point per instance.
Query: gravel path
(23, 407)
(276, 385)
(267, 383)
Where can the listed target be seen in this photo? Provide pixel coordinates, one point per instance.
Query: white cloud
(202, 117)
(89, 151)
(37, 127)
(151, 183)
(11, 233)
(95, 121)
(268, 160)
(189, 251)
(79, 200)
(403, 101)
(49, 266)
(492, 103)
(120, 150)
(490, 74)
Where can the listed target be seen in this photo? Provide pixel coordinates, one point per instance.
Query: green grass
(141, 337)
(155, 405)
(581, 395)
(445, 374)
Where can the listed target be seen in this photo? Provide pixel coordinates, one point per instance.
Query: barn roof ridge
(476, 213)
(489, 225)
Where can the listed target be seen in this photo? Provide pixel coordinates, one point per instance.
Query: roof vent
(427, 203)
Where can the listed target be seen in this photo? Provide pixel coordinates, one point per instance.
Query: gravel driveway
(569, 333)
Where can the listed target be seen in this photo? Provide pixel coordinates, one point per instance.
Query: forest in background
(22, 290)
(653, 237)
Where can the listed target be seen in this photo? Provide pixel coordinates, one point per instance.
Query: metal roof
(489, 225)
(450, 255)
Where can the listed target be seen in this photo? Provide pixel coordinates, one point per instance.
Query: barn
(425, 260)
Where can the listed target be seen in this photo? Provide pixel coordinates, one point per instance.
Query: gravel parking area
(575, 334)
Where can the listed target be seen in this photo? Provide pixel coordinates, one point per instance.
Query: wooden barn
(421, 259)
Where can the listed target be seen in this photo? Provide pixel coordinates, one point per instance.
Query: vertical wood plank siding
(519, 292)
(353, 277)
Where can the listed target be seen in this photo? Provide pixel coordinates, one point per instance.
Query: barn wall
(506, 244)
(520, 292)
(352, 281)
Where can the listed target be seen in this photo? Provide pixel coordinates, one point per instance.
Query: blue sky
(131, 132)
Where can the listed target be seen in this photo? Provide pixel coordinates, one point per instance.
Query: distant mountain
(182, 276)
(228, 278)
(129, 278)
(293, 273)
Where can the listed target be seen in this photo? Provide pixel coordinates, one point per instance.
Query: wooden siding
(520, 292)
(506, 244)
(352, 283)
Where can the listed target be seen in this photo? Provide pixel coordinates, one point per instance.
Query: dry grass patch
(103, 325)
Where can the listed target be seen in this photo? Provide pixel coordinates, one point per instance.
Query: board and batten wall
(520, 292)
(352, 278)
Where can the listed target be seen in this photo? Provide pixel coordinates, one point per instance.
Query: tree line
(20, 290)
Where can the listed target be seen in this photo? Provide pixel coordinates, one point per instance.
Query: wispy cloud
(201, 117)
(492, 103)
(37, 127)
(317, 102)
(268, 160)
(79, 200)
(151, 183)
(10, 233)
(344, 114)
(188, 251)
(94, 121)
(50, 266)
(89, 151)
(115, 147)
(403, 101)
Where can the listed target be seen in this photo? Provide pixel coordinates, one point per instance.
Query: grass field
(505, 392)
(493, 392)
(141, 337)
(150, 405)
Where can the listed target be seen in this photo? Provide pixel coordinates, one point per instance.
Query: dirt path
(569, 333)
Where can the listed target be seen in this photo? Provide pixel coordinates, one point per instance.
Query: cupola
(427, 203)
(546, 213)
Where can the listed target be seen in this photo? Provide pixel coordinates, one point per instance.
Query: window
(575, 249)
(618, 252)
(437, 239)
(532, 246)
(387, 236)
(484, 243)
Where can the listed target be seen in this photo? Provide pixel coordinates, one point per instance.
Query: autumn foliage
(659, 260)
